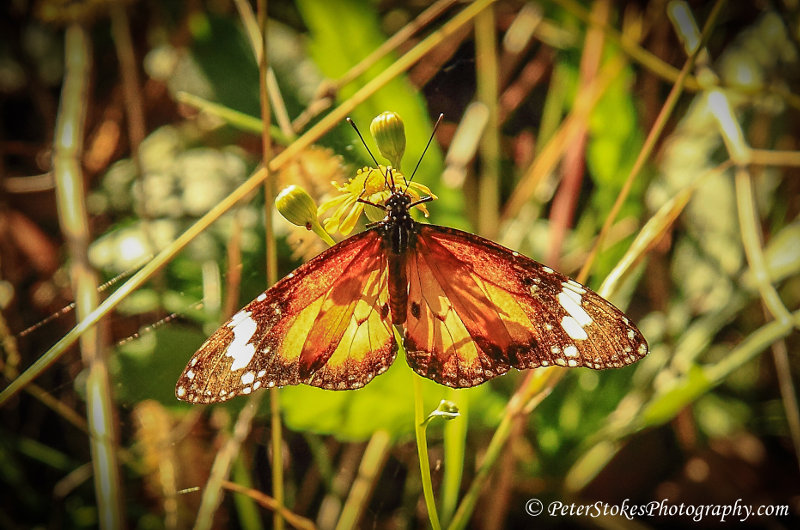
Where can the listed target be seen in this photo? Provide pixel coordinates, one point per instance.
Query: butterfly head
(397, 206)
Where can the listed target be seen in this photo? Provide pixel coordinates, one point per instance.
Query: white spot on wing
(261, 297)
(190, 375)
(574, 296)
(573, 328)
(547, 269)
(240, 349)
(248, 378)
(181, 391)
(571, 306)
(571, 351)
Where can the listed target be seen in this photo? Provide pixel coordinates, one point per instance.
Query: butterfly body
(398, 231)
(468, 310)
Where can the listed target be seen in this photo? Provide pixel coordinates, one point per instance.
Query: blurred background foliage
(172, 127)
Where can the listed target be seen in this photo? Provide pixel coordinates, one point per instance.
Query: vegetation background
(647, 148)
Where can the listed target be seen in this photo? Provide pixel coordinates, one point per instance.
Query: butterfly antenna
(433, 133)
(351, 122)
(377, 165)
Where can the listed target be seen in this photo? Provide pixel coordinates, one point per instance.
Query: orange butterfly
(467, 309)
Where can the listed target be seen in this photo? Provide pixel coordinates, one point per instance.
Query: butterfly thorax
(398, 231)
(398, 227)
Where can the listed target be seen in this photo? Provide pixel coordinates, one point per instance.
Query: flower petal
(352, 218)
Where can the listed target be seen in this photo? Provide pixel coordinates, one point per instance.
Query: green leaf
(386, 403)
(226, 58)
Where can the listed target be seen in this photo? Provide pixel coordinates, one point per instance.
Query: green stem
(234, 118)
(422, 451)
(325, 236)
(455, 438)
(74, 222)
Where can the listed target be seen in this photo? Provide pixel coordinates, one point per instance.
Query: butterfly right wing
(477, 309)
(326, 324)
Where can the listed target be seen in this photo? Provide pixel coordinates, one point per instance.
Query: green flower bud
(297, 206)
(447, 410)
(390, 135)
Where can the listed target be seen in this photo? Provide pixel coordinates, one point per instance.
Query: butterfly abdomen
(398, 288)
(398, 232)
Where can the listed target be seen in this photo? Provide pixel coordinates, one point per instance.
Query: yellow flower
(368, 184)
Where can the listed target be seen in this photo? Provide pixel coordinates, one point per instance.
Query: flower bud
(447, 410)
(297, 206)
(389, 133)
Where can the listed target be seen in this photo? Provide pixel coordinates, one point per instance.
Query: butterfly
(466, 308)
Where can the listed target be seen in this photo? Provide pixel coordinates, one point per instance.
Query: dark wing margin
(326, 325)
(477, 309)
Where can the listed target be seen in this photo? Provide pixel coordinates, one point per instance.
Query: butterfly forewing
(475, 309)
(324, 325)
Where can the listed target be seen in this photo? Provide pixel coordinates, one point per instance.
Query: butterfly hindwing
(325, 325)
(476, 309)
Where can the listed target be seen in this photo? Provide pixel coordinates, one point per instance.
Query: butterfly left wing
(326, 324)
(477, 309)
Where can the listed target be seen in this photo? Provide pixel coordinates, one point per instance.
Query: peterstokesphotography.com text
(737, 510)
